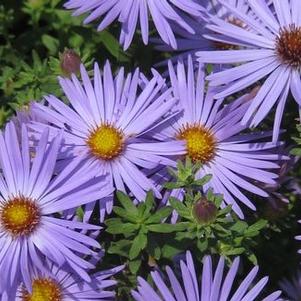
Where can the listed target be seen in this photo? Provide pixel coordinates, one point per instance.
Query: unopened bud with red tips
(204, 211)
(70, 62)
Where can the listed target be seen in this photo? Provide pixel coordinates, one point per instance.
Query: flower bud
(204, 211)
(70, 62)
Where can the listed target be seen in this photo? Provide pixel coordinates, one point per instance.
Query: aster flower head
(190, 44)
(106, 125)
(214, 285)
(30, 195)
(164, 14)
(270, 52)
(59, 284)
(213, 136)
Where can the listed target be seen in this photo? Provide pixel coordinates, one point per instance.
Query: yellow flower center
(19, 216)
(106, 142)
(43, 289)
(200, 142)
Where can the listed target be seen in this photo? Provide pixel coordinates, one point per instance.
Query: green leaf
(149, 203)
(234, 251)
(121, 248)
(172, 172)
(254, 229)
(112, 44)
(127, 203)
(52, 44)
(181, 209)
(202, 245)
(224, 211)
(169, 250)
(122, 228)
(253, 259)
(80, 213)
(145, 208)
(134, 266)
(186, 235)
(154, 249)
(139, 244)
(239, 227)
(158, 216)
(296, 151)
(221, 229)
(203, 181)
(132, 217)
(167, 228)
(174, 185)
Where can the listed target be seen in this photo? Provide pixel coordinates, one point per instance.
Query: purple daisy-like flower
(107, 123)
(214, 285)
(213, 136)
(164, 13)
(271, 51)
(30, 195)
(190, 44)
(58, 284)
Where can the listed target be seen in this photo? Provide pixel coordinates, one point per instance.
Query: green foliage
(143, 236)
(184, 176)
(225, 234)
(136, 225)
(34, 33)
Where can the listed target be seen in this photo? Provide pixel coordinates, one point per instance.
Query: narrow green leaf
(239, 227)
(121, 248)
(122, 228)
(134, 266)
(167, 228)
(149, 203)
(139, 244)
(203, 181)
(129, 216)
(180, 207)
(51, 43)
(257, 226)
(158, 216)
(127, 203)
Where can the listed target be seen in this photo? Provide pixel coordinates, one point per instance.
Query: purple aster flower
(271, 51)
(106, 125)
(292, 288)
(164, 14)
(30, 195)
(190, 44)
(214, 285)
(58, 284)
(213, 136)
